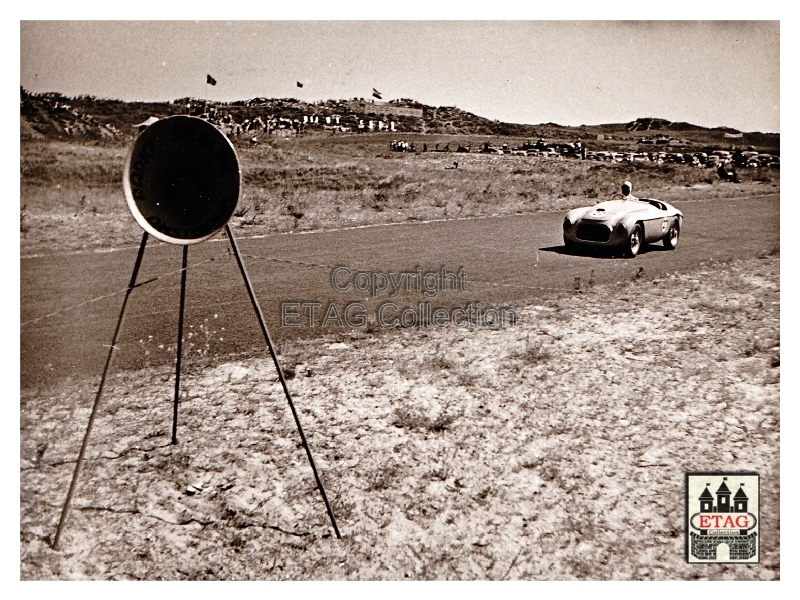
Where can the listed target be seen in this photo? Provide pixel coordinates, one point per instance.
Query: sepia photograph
(391, 300)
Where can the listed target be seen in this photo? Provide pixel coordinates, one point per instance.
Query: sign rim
(134, 208)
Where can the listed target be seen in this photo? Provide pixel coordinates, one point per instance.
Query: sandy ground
(552, 449)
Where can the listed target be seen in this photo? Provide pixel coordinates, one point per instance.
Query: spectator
(727, 175)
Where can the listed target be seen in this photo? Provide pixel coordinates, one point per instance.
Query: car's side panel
(656, 219)
(655, 229)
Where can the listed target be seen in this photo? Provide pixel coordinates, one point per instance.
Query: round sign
(182, 179)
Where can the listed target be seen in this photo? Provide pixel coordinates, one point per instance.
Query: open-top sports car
(624, 225)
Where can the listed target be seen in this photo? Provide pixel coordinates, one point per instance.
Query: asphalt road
(70, 302)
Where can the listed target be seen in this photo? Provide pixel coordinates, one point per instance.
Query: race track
(70, 302)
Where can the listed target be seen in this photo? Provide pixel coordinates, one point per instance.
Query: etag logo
(722, 524)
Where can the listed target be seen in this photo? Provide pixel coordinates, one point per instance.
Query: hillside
(54, 116)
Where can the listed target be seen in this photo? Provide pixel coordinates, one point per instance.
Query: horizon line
(550, 123)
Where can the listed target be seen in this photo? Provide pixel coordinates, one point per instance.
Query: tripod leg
(79, 463)
(267, 338)
(180, 348)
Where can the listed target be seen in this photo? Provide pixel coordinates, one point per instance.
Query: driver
(627, 188)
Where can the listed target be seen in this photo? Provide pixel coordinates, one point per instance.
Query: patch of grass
(467, 378)
(763, 175)
(717, 307)
(408, 418)
(439, 361)
(533, 353)
(290, 357)
(384, 478)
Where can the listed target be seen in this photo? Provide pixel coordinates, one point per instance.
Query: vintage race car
(624, 225)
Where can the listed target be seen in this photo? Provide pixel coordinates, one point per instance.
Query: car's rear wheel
(671, 239)
(634, 243)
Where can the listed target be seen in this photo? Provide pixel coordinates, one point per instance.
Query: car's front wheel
(671, 239)
(634, 243)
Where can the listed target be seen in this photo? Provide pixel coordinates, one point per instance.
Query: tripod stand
(131, 285)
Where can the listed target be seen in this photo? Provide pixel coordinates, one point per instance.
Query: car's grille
(593, 232)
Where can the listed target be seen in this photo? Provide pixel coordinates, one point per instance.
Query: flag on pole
(299, 84)
(210, 80)
(377, 94)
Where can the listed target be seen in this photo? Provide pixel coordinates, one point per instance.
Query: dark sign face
(182, 180)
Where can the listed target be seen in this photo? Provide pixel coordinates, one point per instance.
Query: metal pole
(267, 338)
(180, 347)
(79, 463)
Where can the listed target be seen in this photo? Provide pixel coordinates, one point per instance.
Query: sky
(710, 73)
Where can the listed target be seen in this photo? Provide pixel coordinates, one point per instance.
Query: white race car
(623, 225)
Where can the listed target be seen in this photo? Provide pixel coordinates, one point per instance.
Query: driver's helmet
(627, 188)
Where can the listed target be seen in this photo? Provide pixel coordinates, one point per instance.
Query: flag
(377, 94)
(210, 80)
(299, 84)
